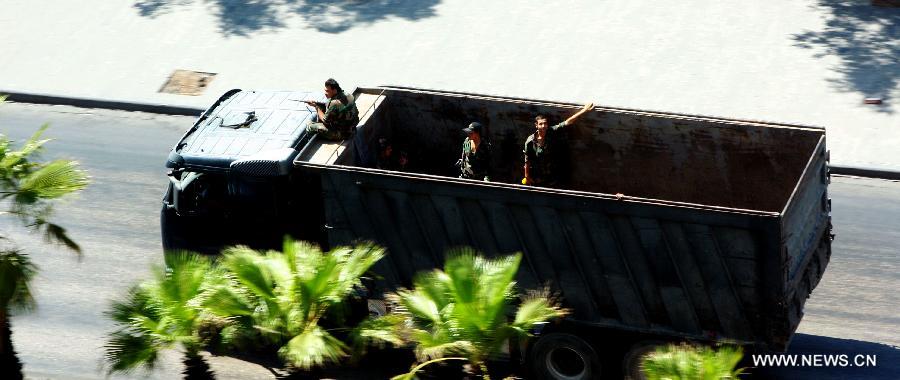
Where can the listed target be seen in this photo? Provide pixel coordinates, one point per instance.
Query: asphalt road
(853, 311)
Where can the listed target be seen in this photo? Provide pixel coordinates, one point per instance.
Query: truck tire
(631, 363)
(562, 356)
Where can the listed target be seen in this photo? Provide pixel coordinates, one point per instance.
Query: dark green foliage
(29, 188)
(686, 362)
(467, 310)
(195, 368)
(280, 298)
(16, 272)
(161, 313)
(10, 366)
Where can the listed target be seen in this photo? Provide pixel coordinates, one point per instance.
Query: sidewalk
(803, 62)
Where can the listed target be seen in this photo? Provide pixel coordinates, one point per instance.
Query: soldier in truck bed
(336, 119)
(475, 160)
(541, 150)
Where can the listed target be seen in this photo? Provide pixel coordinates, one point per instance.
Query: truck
(669, 227)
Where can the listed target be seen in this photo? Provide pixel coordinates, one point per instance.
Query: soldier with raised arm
(541, 150)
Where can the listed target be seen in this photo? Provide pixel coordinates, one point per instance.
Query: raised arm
(574, 118)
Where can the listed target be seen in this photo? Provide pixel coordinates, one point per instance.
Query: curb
(22, 97)
(864, 171)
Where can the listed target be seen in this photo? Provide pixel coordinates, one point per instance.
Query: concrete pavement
(810, 62)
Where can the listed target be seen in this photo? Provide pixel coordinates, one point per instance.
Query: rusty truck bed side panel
(634, 264)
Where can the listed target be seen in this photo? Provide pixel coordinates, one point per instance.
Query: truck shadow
(242, 18)
(886, 365)
(864, 39)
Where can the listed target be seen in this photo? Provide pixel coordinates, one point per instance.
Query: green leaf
(54, 233)
(535, 310)
(466, 309)
(420, 305)
(16, 273)
(250, 270)
(692, 363)
(161, 313)
(52, 180)
(311, 348)
(384, 329)
(226, 302)
(125, 352)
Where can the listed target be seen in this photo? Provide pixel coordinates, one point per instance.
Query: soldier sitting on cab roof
(336, 120)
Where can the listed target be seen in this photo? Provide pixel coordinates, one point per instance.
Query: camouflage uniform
(542, 160)
(340, 118)
(475, 164)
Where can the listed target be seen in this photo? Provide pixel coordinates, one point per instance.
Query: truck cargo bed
(723, 233)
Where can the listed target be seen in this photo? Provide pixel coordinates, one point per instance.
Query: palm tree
(162, 313)
(686, 362)
(16, 272)
(32, 186)
(467, 310)
(280, 298)
(29, 188)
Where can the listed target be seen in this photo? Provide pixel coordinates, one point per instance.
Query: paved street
(853, 311)
(805, 61)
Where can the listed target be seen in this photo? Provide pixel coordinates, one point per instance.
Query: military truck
(720, 231)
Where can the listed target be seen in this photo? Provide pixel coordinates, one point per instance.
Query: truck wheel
(561, 356)
(631, 363)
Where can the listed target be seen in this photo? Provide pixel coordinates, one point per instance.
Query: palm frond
(380, 330)
(283, 295)
(125, 352)
(161, 313)
(436, 286)
(16, 161)
(683, 362)
(428, 349)
(419, 305)
(250, 269)
(465, 309)
(314, 347)
(461, 266)
(411, 375)
(498, 277)
(227, 302)
(135, 303)
(16, 273)
(537, 307)
(52, 180)
(54, 233)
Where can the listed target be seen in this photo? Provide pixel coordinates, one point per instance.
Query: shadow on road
(243, 18)
(887, 360)
(866, 40)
